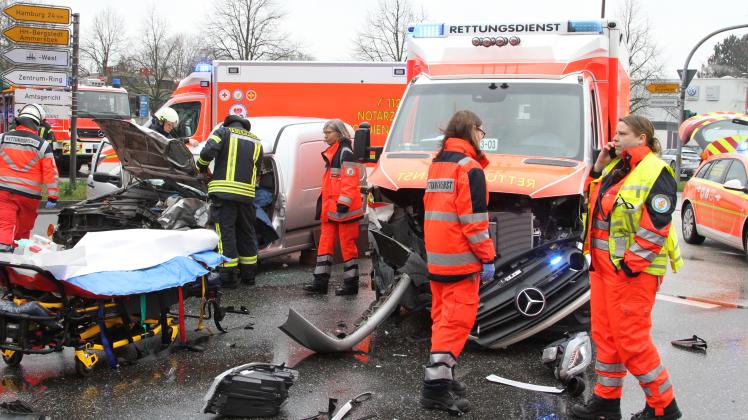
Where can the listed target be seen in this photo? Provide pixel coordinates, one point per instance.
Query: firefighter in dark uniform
(238, 154)
(46, 133)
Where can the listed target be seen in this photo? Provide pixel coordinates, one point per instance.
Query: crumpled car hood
(149, 155)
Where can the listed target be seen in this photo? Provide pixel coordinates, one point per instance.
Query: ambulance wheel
(690, 235)
(14, 359)
(745, 241)
(82, 369)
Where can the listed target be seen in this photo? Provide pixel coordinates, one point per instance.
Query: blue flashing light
(742, 147)
(588, 26)
(203, 68)
(556, 260)
(428, 30)
(116, 83)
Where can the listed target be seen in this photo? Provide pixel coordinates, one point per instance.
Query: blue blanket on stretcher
(174, 273)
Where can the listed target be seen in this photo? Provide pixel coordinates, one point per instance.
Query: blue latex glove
(50, 204)
(487, 272)
(342, 208)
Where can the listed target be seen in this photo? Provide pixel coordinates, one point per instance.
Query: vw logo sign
(530, 302)
(691, 91)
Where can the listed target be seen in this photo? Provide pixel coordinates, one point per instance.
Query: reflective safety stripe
(661, 389)
(650, 236)
(353, 213)
(36, 192)
(231, 159)
(610, 367)
(473, 218)
(350, 263)
(231, 263)
(478, 237)
(608, 381)
(23, 181)
(464, 161)
(335, 171)
(202, 162)
(323, 258)
(657, 266)
(322, 269)
(651, 375)
(637, 250)
(344, 199)
(600, 244)
(220, 244)
(600, 224)
(257, 149)
(9, 161)
(441, 216)
(638, 188)
(434, 258)
(248, 260)
(215, 138)
(233, 184)
(444, 358)
(438, 372)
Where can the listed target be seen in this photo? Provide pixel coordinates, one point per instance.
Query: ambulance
(549, 94)
(352, 92)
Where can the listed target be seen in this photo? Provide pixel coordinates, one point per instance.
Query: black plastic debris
(693, 343)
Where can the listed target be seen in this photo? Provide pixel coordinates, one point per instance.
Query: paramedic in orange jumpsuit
(460, 254)
(26, 164)
(622, 285)
(341, 211)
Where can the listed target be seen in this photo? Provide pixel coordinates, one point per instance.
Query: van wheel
(688, 225)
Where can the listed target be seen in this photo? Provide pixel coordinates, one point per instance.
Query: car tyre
(688, 226)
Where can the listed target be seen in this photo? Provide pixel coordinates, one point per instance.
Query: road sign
(43, 97)
(689, 75)
(56, 58)
(52, 111)
(25, 77)
(663, 87)
(663, 101)
(37, 13)
(34, 35)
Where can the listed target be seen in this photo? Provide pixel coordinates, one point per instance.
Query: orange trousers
(621, 324)
(453, 310)
(346, 232)
(17, 216)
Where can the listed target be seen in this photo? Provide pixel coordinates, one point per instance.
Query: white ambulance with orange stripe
(549, 94)
(352, 92)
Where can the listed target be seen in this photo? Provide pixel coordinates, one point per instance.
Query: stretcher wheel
(12, 358)
(81, 369)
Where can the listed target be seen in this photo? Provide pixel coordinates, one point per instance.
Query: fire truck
(352, 92)
(549, 94)
(95, 100)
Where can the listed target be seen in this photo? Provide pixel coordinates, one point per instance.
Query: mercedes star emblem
(530, 302)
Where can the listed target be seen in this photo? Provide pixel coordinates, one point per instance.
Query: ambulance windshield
(103, 104)
(532, 119)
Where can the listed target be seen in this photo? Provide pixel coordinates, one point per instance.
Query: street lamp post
(682, 102)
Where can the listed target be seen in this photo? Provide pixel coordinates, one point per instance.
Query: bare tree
(156, 60)
(249, 30)
(383, 38)
(106, 41)
(643, 52)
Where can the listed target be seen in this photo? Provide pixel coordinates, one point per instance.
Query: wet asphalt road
(171, 384)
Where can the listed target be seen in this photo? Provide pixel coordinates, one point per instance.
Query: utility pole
(683, 86)
(602, 14)
(74, 110)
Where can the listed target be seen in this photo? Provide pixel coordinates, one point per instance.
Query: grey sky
(327, 27)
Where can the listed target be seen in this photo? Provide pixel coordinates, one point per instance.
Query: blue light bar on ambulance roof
(203, 68)
(427, 30)
(589, 26)
(742, 147)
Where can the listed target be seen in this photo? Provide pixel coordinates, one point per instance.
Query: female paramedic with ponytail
(629, 238)
(459, 255)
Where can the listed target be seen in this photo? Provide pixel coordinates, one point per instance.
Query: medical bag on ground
(251, 390)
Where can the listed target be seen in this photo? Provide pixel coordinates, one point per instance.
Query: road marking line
(683, 301)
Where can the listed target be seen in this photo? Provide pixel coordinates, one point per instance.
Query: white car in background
(690, 160)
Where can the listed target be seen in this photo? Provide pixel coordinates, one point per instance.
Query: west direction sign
(34, 35)
(23, 77)
(31, 56)
(39, 13)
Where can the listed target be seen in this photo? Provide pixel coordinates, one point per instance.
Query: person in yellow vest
(629, 236)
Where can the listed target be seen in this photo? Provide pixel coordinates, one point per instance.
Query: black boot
(229, 277)
(671, 413)
(318, 284)
(350, 287)
(436, 395)
(598, 408)
(248, 273)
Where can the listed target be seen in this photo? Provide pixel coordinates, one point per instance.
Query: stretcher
(102, 311)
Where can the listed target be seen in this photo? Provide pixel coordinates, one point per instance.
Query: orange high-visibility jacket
(341, 184)
(27, 163)
(456, 214)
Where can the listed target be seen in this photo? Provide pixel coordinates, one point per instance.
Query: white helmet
(167, 114)
(33, 111)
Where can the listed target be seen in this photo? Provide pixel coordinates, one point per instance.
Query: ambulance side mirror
(735, 185)
(362, 149)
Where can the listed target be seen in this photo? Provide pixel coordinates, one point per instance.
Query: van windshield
(533, 119)
(103, 104)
